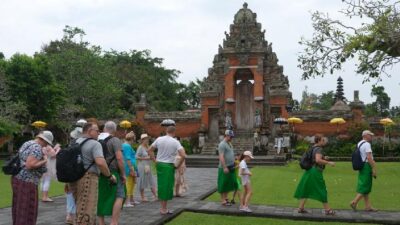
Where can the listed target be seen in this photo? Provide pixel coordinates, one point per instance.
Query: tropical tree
(381, 105)
(375, 43)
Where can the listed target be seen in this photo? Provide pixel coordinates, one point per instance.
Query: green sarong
(165, 180)
(312, 185)
(227, 182)
(364, 184)
(107, 195)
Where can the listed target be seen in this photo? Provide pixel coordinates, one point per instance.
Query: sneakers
(245, 209)
(128, 205)
(136, 202)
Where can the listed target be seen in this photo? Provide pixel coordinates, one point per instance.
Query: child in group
(237, 191)
(245, 175)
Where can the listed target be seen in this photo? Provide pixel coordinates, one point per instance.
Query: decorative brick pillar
(258, 85)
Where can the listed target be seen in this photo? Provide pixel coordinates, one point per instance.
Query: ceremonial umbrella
(337, 121)
(294, 120)
(386, 122)
(125, 124)
(280, 121)
(39, 124)
(167, 122)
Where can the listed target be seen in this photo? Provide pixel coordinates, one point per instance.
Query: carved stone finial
(245, 5)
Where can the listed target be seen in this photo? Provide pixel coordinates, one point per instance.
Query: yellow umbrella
(294, 120)
(125, 124)
(386, 122)
(337, 121)
(39, 124)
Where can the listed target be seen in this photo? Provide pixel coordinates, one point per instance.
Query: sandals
(353, 206)
(371, 210)
(330, 212)
(226, 203)
(302, 210)
(166, 213)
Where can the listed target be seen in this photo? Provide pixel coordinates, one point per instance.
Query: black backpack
(13, 165)
(106, 152)
(306, 161)
(356, 159)
(69, 163)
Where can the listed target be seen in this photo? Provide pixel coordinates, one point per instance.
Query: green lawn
(199, 218)
(276, 186)
(56, 189)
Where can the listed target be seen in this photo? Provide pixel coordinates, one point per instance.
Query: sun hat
(367, 132)
(47, 136)
(143, 136)
(248, 153)
(76, 133)
(229, 133)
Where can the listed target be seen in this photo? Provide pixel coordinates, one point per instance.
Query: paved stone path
(202, 182)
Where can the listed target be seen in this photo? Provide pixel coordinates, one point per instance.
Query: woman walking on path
(312, 183)
(245, 175)
(130, 168)
(180, 183)
(145, 179)
(25, 202)
(51, 153)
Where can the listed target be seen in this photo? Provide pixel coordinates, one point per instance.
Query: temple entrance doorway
(244, 100)
(213, 124)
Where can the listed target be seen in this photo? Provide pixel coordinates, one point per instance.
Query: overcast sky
(186, 33)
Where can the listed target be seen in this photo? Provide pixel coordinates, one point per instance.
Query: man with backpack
(111, 195)
(368, 170)
(85, 189)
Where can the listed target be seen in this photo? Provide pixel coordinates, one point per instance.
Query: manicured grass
(276, 186)
(56, 189)
(199, 219)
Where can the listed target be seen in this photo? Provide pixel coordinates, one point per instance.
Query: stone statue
(228, 120)
(257, 118)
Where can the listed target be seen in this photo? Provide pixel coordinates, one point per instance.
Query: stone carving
(228, 120)
(257, 118)
(142, 98)
(243, 59)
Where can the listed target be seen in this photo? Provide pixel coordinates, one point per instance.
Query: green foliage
(311, 101)
(337, 147)
(187, 146)
(8, 127)
(30, 84)
(355, 130)
(302, 146)
(376, 41)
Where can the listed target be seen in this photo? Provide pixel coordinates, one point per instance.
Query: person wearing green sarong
(227, 179)
(312, 183)
(168, 147)
(111, 195)
(365, 175)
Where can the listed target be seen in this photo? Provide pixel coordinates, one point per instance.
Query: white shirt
(364, 149)
(167, 148)
(243, 168)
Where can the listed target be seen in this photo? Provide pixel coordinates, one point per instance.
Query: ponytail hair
(241, 157)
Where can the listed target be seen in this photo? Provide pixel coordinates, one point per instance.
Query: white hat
(367, 132)
(248, 153)
(76, 133)
(143, 136)
(47, 136)
(81, 123)
(229, 133)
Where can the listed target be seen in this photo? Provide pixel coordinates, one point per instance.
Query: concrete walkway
(202, 182)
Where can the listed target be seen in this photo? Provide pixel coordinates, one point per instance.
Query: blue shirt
(129, 154)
